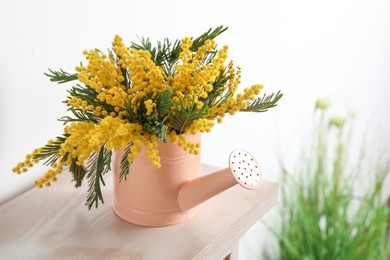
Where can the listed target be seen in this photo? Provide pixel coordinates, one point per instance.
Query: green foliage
(262, 104)
(85, 93)
(158, 128)
(186, 114)
(164, 102)
(131, 116)
(98, 165)
(78, 172)
(61, 76)
(125, 164)
(166, 54)
(209, 35)
(324, 214)
(178, 117)
(88, 94)
(155, 122)
(50, 151)
(218, 95)
(79, 116)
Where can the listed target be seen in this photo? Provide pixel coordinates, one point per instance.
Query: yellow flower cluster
(101, 71)
(50, 176)
(234, 102)
(241, 99)
(199, 126)
(87, 138)
(77, 144)
(28, 162)
(194, 77)
(192, 148)
(146, 77)
(149, 106)
(235, 78)
(150, 142)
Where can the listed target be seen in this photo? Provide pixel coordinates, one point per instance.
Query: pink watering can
(171, 194)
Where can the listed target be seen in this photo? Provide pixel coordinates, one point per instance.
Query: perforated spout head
(245, 169)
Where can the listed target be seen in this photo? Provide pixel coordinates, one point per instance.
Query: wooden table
(53, 223)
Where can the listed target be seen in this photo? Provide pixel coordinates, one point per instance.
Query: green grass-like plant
(329, 208)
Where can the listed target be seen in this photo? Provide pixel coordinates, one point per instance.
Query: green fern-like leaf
(61, 76)
(164, 102)
(262, 104)
(98, 165)
(88, 94)
(218, 95)
(50, 151)
(131, 116)
(159, 54)
(184, 115)
(79, 116)
(166, 54)
(157, 127)
(78, 172)
(154, 123)
(209, 35)
(125, 164)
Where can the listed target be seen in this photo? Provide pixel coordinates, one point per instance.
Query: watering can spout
(243, 169)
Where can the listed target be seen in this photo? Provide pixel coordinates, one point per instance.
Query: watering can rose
(137, 95)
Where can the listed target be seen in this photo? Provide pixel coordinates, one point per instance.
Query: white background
(307, 49)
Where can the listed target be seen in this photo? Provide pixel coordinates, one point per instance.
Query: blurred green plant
(325, 212)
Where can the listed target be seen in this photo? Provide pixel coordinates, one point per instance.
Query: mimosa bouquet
(136, 95)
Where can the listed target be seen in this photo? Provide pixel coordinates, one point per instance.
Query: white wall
(308, 49)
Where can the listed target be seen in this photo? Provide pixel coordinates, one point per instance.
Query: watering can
(171, 194)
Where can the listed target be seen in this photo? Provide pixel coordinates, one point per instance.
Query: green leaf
(159, 54)
(78, 172)
(125, 164)
(61, 76)
(166, 54)
(50, 151)
(80, 116)
(130, 113)
(218, 95)
(158, 128)
(184, 115)
(86, 93)
(262, 104)
(164, 102)
(154, 123)
(98, 165)
(209, 35)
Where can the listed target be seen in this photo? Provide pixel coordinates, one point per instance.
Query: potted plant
(135, 100)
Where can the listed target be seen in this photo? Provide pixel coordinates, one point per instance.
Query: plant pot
(149, 196)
